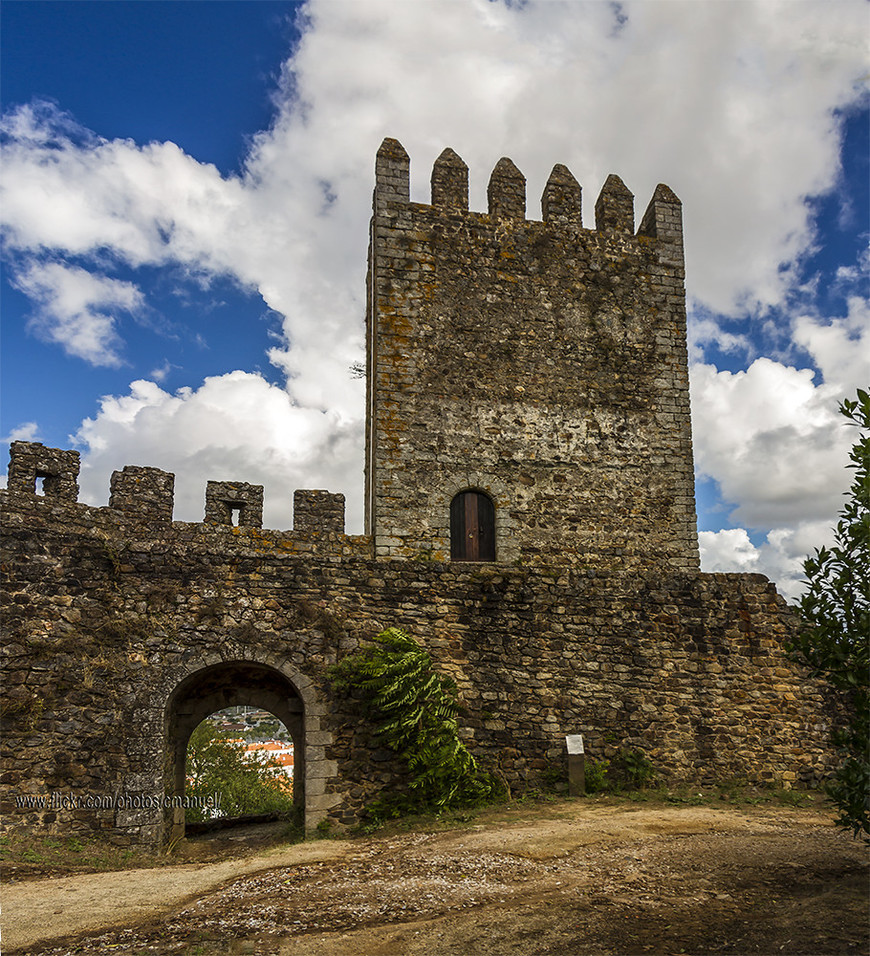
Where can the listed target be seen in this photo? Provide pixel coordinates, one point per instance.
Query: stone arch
(214, 682)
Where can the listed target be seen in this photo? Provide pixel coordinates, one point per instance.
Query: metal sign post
(576, 765)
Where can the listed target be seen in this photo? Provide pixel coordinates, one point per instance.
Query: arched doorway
(217, 687)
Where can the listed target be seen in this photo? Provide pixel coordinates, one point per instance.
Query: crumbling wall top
(144, 497)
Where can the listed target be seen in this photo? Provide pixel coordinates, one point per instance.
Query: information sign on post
(576, 765)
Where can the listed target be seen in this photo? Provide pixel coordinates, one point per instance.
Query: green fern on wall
(414, 711)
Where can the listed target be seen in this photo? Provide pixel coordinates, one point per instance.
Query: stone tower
(527, 380)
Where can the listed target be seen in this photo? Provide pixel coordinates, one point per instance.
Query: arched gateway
(215, 685)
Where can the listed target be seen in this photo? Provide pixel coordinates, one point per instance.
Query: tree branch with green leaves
(218, 764)
(835, 640)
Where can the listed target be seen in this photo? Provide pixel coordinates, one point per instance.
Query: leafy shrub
(596, 775)
(628, 770)
(633, 769)
(835, 640)
(414, 711)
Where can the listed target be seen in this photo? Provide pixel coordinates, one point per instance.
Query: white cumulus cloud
(77, 309)
(840, 347)
(26, 431)
(773, 441)
(780, 556)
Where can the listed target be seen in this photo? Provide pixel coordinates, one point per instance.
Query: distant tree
(217, 764)
(835, 642)
(269, 729)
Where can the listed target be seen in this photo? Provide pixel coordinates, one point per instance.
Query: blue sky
(186, 188)
(196, 73)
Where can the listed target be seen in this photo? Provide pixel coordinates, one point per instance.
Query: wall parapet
(144, 497)
(689, 668)
(30, 463)
(146, 492)
(316, 511)
(224, 500)
(506, 197)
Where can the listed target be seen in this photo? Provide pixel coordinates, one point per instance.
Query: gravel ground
(559, 880)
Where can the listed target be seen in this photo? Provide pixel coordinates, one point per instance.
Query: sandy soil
(566, 879)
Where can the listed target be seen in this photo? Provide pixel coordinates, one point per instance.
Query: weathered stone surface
(562, 198)
(56, 468)
(506, 192)
(614, 208)
(105, 620)
(229, 500)
(450, 181)
(539, 362)
(148, 492)
(318, 512)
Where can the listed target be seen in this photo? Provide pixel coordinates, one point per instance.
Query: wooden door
(472, 527)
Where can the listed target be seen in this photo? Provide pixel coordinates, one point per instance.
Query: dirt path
(571, 878)
(53, 908)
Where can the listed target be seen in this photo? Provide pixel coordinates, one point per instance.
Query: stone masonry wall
(107, 613)
(538, 361)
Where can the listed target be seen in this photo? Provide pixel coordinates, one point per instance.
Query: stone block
(234, 503)
(54, 470)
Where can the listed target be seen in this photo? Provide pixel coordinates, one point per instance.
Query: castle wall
(538, 361)
(106, 615)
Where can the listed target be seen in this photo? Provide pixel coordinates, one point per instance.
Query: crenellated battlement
(143, 492)
(30, 463)
(614, 208)
(506, 196)
(316, 511)
(234, 503)
(145, 496)
(450, 182)
(506, 191)
(561, 200)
